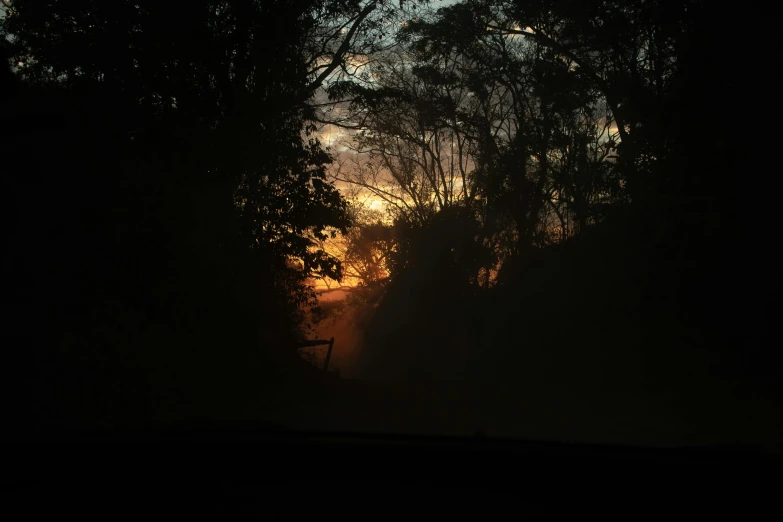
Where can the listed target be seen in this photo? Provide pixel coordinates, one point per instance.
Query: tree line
(528, 122)
(508, 138)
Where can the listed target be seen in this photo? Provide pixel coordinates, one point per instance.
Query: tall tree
(634, 53)
(180, 184)
(488, 120)
(217, 76)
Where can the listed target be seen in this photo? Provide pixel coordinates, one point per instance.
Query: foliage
(370, 248)
(171, 150)
(541, 119)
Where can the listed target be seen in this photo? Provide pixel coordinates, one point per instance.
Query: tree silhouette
(577, 115)
(172, 157)
(456, 115)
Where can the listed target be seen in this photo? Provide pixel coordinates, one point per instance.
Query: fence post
(328, 354)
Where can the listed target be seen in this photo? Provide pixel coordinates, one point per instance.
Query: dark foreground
(217, 470)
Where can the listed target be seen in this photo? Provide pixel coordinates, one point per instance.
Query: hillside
(642, 344)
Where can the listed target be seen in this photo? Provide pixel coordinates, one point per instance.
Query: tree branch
(340, 53)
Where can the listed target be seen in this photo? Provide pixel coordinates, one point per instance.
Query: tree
(633, 53)
(171, 151)
(411, 152)
(199, 85)
(456, 115)
(370, 245)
